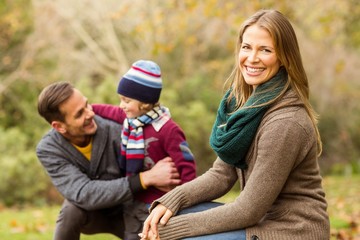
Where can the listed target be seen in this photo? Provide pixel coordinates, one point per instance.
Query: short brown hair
(50, 99)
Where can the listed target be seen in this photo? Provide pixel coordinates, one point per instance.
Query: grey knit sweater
(281, 196)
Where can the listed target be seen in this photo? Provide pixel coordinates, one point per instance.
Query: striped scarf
(132, 140)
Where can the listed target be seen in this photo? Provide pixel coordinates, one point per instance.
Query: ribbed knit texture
(233, 132)
(142, 82)
(314, 232)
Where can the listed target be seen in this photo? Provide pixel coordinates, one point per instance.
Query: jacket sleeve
(111, 112)
(89, 186)
(76, 186)
(178, 149)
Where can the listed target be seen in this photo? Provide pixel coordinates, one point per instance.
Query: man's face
(79, 125)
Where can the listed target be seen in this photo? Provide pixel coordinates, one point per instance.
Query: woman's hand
(160, 214)
(150, 236)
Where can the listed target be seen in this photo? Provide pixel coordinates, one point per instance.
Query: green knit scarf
(233, 133)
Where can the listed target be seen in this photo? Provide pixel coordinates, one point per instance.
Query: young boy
(148, 135)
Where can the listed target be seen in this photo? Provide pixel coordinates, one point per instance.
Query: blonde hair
(148, 106)
(288, 52)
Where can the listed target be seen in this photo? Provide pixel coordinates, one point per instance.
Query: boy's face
(132, 107)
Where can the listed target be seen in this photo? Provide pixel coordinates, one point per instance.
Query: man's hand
(163, 175)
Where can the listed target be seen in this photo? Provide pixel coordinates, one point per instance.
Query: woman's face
(257, 56)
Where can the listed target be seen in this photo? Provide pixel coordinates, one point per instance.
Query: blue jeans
(231, 235)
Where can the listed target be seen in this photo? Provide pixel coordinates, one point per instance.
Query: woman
(266, 137)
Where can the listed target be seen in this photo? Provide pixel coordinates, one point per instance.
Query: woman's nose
(253, 57)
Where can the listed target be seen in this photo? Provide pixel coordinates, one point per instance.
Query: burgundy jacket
(162, 139)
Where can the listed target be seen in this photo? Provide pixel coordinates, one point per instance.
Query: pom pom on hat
(142, 82)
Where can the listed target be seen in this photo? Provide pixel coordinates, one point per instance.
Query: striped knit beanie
(142, 82)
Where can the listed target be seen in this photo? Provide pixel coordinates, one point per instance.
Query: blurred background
(92, 44)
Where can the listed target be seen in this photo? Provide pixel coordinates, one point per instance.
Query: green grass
(35, 224)
(342, 194)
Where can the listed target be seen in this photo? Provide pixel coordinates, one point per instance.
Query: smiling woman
(266, 138)
(258, 59)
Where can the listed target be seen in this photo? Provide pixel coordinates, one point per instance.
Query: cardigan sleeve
(206, 187)
(213, 184)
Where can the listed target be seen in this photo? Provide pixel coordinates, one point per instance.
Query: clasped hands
(159, 215)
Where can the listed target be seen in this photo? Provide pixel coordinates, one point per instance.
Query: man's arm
(163, 175)
(77, 187)
(74, 184)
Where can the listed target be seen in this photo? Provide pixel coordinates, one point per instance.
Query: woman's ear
(58, 126)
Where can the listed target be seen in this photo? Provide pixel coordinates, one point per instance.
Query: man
(80, 155)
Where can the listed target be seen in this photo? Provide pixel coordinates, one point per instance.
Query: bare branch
(92, 45)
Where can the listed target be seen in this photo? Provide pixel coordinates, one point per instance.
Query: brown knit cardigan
(281, 193)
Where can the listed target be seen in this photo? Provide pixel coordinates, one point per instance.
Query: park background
(91, 43)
